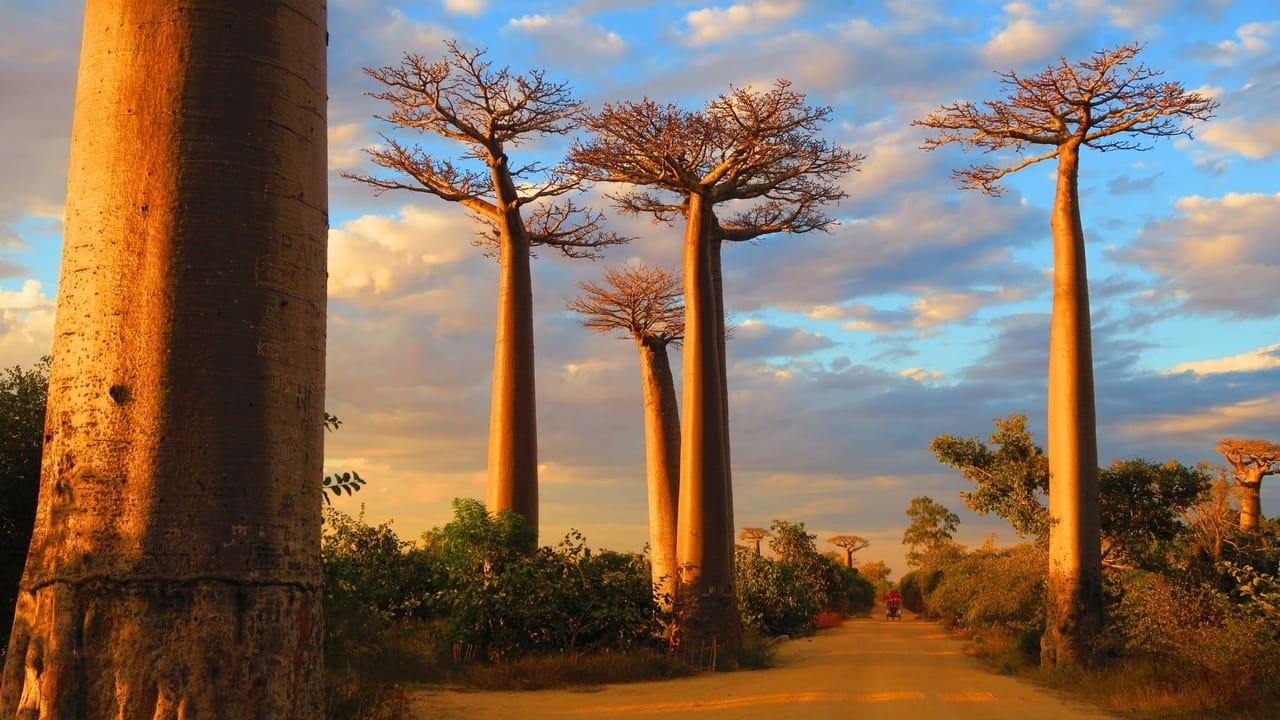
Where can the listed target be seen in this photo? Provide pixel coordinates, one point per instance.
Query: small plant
(350, 482)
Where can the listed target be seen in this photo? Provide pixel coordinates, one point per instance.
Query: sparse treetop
(640, 301)
(1105, 102)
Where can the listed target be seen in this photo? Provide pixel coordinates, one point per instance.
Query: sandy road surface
(867, 669)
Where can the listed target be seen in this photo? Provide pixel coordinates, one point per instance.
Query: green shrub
(993, 590)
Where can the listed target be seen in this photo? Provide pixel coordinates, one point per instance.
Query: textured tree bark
(715, 246)
(175, 567)
(1250, 501)
(662, 461)
(1075, 546)
(706, 609)
(513, 428)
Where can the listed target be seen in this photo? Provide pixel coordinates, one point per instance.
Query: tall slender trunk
(848, 558)
(174, 571)
(1250, 500)
(714, 246)
(706, 608)
(1075, 562)
(513, 425)
(662, 462)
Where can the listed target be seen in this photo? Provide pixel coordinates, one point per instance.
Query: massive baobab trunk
(706, 607)
(513, 429)
(1075, 545)
(714, 247)
(174, 571)
(662, 462)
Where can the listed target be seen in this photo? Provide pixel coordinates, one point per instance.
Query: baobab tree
(643, 304)
(850, 544)
(1251, 461)
(1107, 103)
(520, 206)
(754, 535)
(174, 569)
(758, 150)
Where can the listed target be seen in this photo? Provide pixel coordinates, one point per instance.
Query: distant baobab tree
(1106, 103)
(522, 206)
(1251, 461)
(643, 304)
(850, 544)
(174, 568)
(754, 535)
(757, 151)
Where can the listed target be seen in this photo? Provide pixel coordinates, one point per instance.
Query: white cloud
(571, 39)
(1246, 417)
(1262, 358)
(1254, 139)
(466, 7)
(1022, 38)
(920, 374)
(1218, 255)
(26, 324)
(376, 258)
(718, 24)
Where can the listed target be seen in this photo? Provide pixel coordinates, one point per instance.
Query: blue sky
(924, 312)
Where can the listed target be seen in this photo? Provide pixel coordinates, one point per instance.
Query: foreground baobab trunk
(513, 428)
(1107, 102)
(174, 569)
(705, 602)
(715, 245)
(1075, 535)
(662, 463)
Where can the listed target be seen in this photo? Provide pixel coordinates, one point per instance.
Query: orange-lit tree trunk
(662, 462)
(174, 571)
(1075, 545)
(513, 428)
(706, 608)
(714, 246)
(1250, 483)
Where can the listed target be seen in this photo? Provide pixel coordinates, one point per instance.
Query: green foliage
(22, 405)
(992, 589)
(931, 525)
(1010, 478)
(782, 595)
(351, 482)
(1142, 508)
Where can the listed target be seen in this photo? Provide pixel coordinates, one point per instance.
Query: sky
(925, 311)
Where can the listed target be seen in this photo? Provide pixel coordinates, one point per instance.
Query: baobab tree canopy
(639, 301)
(758, 146)
(465, 99)
(1106, 102)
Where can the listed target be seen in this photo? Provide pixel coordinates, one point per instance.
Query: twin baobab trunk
(175, 566)
(706, 607)
(714, 246)
(513, 429)
(662, 461)
(1075, 563)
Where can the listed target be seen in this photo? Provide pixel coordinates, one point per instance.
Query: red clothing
(893, 601)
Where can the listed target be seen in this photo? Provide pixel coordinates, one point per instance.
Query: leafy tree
(22, 403)
(1010, 477)
(463, 98)
(932, 525)
(1106, 102)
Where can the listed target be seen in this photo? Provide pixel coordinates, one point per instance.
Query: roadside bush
(993, 590)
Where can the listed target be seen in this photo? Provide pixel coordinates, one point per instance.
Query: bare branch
(642, 302)
(1106, 102)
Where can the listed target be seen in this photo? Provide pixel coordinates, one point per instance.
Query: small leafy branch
(350, 482)
(337, 483)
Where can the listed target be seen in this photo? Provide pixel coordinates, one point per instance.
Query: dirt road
(866, 669)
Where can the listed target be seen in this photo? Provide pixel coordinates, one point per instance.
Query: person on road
(893, 605)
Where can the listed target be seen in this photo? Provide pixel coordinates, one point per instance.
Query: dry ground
(866, 669)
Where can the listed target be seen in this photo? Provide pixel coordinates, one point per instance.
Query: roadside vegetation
(1192, 603)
